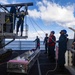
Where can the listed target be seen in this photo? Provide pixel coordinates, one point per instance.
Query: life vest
(7, 20)
(52, 40)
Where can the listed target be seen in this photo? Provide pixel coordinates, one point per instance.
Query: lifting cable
(56, 52)
(42, 30)
(34, 26)
(38, 26)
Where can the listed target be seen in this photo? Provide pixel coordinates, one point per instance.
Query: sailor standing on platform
(12, 17)
(20, 22)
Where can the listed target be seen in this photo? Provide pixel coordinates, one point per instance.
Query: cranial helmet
(64, 31)
(53, 32)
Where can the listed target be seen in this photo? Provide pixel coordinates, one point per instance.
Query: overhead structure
(7, 23)
(5, 15)
(18, 4)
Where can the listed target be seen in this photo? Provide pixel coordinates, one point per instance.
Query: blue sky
(47, 15)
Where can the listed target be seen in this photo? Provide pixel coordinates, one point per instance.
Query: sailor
(20, 22)
(37, 40)
(12, 18)
(46, 43)
(51, 46)
(62, 43)
(73, 54)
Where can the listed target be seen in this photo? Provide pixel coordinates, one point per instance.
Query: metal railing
(71, 56)
(71, 61)
(24, 45)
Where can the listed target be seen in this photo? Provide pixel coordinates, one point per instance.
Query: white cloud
(7, 2)
(52, 12)
(13, 2)
(34, 13)
(3, 1)
(32, 35)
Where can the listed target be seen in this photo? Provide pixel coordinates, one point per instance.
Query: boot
(21, 34)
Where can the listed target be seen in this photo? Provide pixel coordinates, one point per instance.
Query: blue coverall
(20, 23)
(37, 40)
(46, 43)
(12, 18)
(62, 49)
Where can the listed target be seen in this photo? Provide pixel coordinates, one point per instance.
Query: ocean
(23, 45)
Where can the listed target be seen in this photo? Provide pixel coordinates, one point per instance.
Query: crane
(5, 25)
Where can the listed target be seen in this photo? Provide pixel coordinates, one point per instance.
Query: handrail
(8, 42)
(25, 45)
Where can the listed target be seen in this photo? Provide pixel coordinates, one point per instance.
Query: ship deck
(44, 65)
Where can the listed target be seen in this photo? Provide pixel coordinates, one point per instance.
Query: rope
(34, 27)
(38, 25)
(41, 29)
(56, 62)
(53, 69)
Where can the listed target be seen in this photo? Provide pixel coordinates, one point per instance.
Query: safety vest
(52, 40)
(7, 20)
